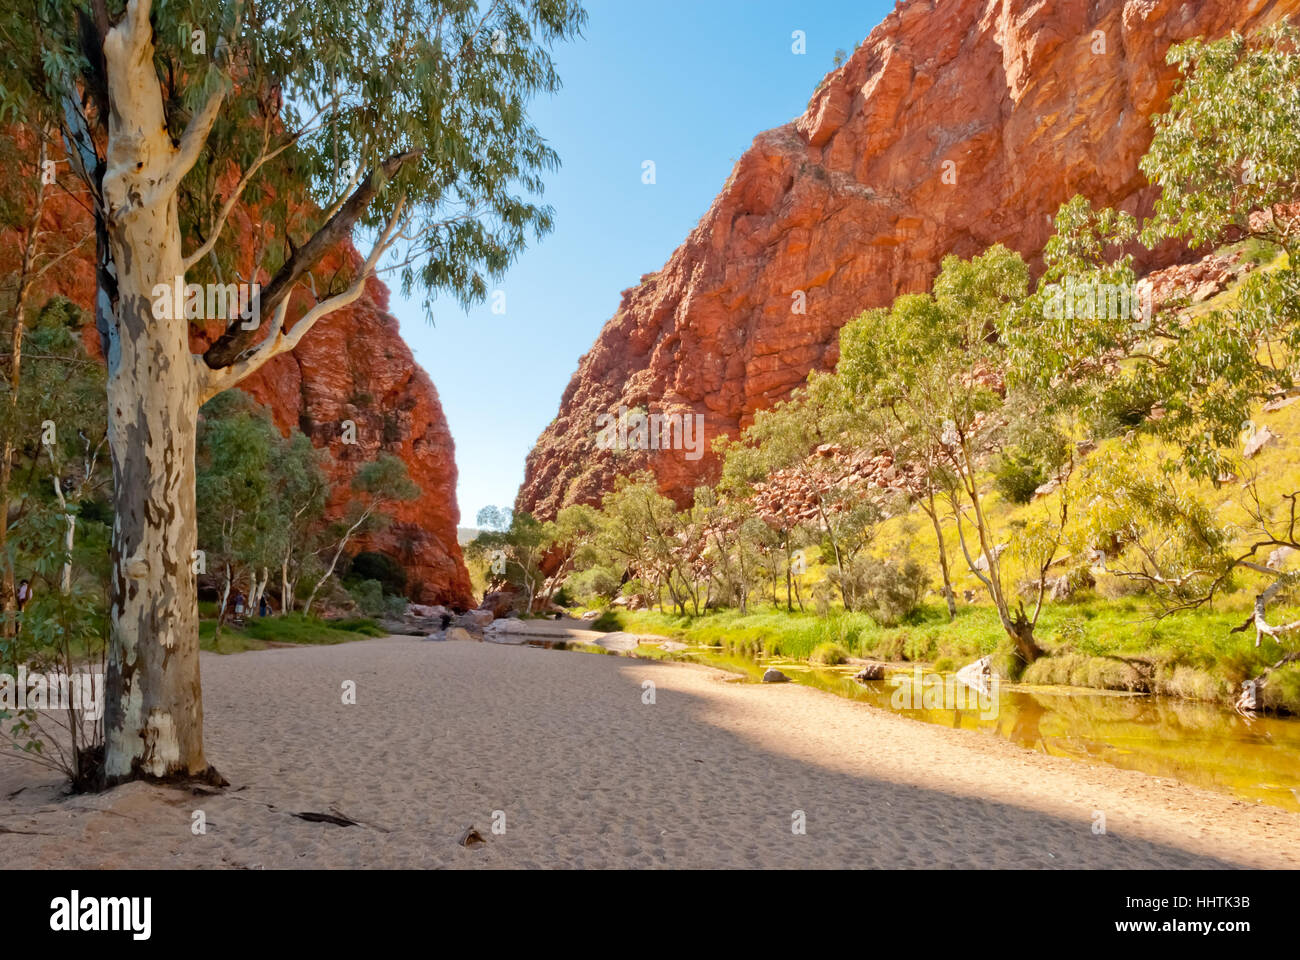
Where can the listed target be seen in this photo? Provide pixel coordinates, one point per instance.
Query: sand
(585, 774)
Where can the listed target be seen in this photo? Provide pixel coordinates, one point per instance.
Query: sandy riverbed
(587, 775)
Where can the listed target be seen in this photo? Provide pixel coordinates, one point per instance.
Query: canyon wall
(353, 365)
(956, 124)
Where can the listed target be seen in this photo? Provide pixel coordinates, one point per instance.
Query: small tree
(300, 494)
(234, 491)
(378, 485)
(937, 364)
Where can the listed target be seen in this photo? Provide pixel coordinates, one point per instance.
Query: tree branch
(277, 341)
(231, 346)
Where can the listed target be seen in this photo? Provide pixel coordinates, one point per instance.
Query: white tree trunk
(153, 720)
(286, 588)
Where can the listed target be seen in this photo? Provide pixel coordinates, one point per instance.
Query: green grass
(1105, 644)
(260, 632)
(829, 653)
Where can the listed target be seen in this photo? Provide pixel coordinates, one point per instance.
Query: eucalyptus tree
(937, 362)
(641, 529)
(193, 122)
(61, 407)
(1226, 157)
(787, 438)
(234, 489)
(301, 492)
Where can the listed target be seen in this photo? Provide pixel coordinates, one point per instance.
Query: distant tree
(237, 516)
(62, 395)
(572, 537)
(640, 529)
(785, 438)
(522, 545)
(300, 493)
(494, 518)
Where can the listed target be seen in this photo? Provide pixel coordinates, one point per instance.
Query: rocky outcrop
(955, 125)
(353, 365)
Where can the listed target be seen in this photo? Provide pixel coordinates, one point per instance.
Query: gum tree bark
(153, 719)
(153, 715)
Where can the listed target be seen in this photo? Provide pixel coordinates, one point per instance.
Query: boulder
(773, 675)
(455, 633)
(871, 671)
(977, 675)
(618, 642)
(476, 619)
(1258, 440)
(506, 631)
(425, 611)
(1277, 559)
(499, 603)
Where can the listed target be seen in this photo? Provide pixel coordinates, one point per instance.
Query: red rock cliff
(1024, 104)
(353, 365)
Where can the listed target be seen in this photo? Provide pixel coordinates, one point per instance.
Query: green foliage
(446, 83)
(258, 632)
(369, 597)
(828, 653)
(891, 590)
(494, 518)
(1230, 141)
(1282, 690)
(594, 585)
(1017, 475)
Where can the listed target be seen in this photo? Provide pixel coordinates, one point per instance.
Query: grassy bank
(1105, 644)
(260, 632)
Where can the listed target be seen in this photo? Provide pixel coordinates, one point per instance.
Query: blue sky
(685, 83)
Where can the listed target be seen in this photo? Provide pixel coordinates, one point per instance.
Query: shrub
(1079, 670)
(889, 646)
(1017, 477)
(394, 607)
(607, 622)
(829, 653)
(889, 592)
(919, 646)
(362, 625)
(1281, 690)
(1190, 683)
(369, 597)
(593, 585)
